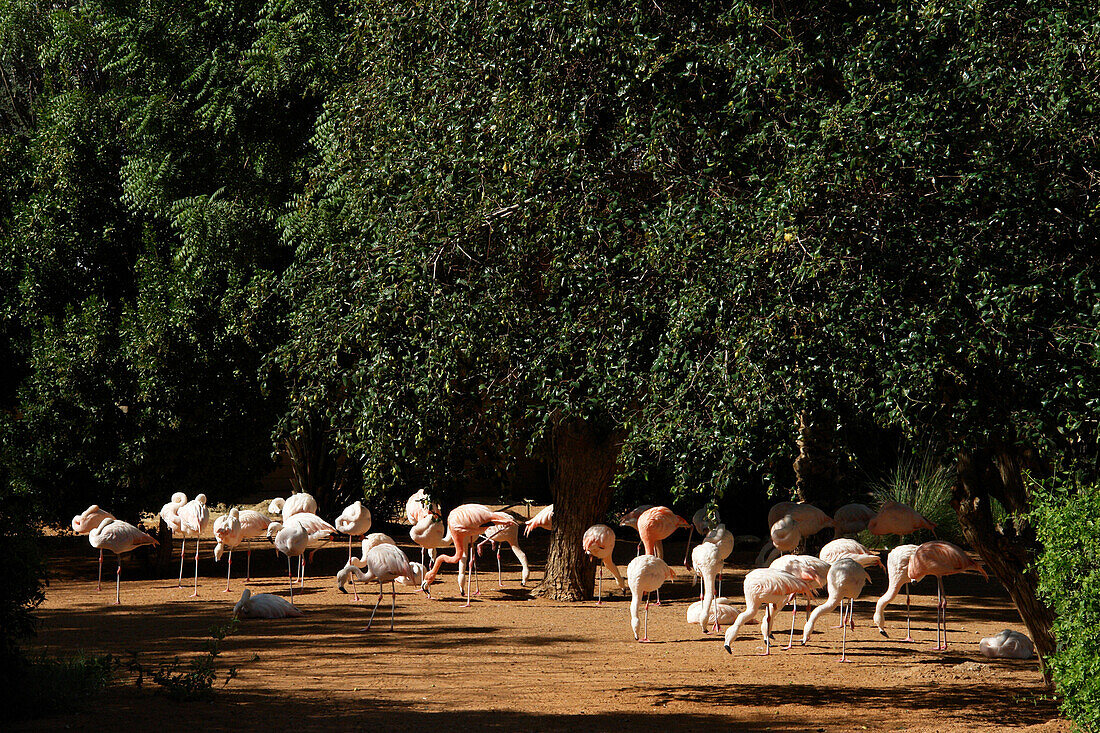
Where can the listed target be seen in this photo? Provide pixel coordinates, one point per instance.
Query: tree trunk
(815, 469)
(1008, 551)
(584, 464)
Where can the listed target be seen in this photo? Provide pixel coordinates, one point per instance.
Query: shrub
(46, 685)
(1067, 521)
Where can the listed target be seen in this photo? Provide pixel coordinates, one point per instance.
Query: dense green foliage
(1069, 580)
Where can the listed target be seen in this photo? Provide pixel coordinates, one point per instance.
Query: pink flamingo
(84, 523)
(764, 588)
(194, 519)
(385, 563)
(844, 547)
(465, 523)
(846, 580)
(851, 519)
(644, 574)
(355, 520)
(897, 518)
(897, 570)
(940, 558)
(420, 504)
(599, 542)
(119, 537)
(543, 520)
(656, 525)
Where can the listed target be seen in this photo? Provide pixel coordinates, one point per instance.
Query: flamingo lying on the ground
(846, 580)
(119, 537)
(897, 570)
(88, 520)
(385, 564)
(465, 523)
(765, 588)
(1007, 644)
(599, 542)
(722, 613)
(940, 558)
(644, 574)
(264, 605)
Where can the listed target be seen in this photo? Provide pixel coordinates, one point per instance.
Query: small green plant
(925, 485)
(45, 685)
(194, 680)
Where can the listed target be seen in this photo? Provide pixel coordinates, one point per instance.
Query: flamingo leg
(196, 568)
(381, 590)
(688, 548)
(500, 584)
(908, 633)
(290, 577)
(645, 635)
(942, 615)
(768, 625)
(844, 632)
(183, 548)
(393, 601)
(118, 579)
(349, 548)
(99, 583)
(248, 567)
(599, 593)
(228, 572)
(794, 615)
(469, 572)
(473, 573)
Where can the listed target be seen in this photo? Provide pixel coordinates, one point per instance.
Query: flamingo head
(219, 550)
(245, 595)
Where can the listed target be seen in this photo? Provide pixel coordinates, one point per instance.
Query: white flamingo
(644, 574)
(846, 580)
(385, 564)
(296, 503)
(599, 542)
(194, 519)
(355, 520)
(119, 537)
(897, 571)
(706, 561)
(764, 589)
(723, 613)
(264, 605)
(84, 523)
(810, 568)
(430, 532)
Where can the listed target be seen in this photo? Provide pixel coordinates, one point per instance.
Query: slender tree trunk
(1009, 551)
(584, 463)
(816, 471)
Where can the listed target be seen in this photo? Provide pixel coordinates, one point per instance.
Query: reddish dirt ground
(517, 664)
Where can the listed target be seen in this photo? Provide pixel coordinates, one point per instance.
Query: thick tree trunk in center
(585, 462)
(1008, 551)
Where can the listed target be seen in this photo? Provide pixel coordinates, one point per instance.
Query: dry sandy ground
(514, 664)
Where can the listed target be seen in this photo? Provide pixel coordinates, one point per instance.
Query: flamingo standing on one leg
(897, 569)
(85, 522)
(764, 588)
(194, 519)
(227, 531)
(119, 537)
(430, 532)
(355, 520)
(464, 523)
(846, 580)
(940, 558)
(385, 563)
(644, 574)
(170, 514)
(599, 542)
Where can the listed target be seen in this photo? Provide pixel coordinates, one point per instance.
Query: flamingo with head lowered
(85, 522)
(464, 524)
(119, 537)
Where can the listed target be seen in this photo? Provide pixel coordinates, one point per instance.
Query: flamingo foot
(845, 659)
(909, 639)
(194, 595)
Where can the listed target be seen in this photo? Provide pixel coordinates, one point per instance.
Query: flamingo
(298, 502)
(897, 518)
(385, 563)
(1007, 644)
(599, 542)
(722, 614)
(318, 530)
(807, 518)
(170, 514)
(657, 524)
(897, 570)
(765, 587)
(264, 605)
(193, 519)
(630, 519)
(227, 531)
(429, 532)
(846, 580)
(706, 560)
(702, 521)
(851, 519)
(291, 540)
(420, 504)
(85, 522)
(845, 547)
(802, 566)
(644, 574)
(509, 534)
(719, 535)
(119, 537)
(785, 534)
(464, 523)
(543, 520)
(940, 558)
(355, 520)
